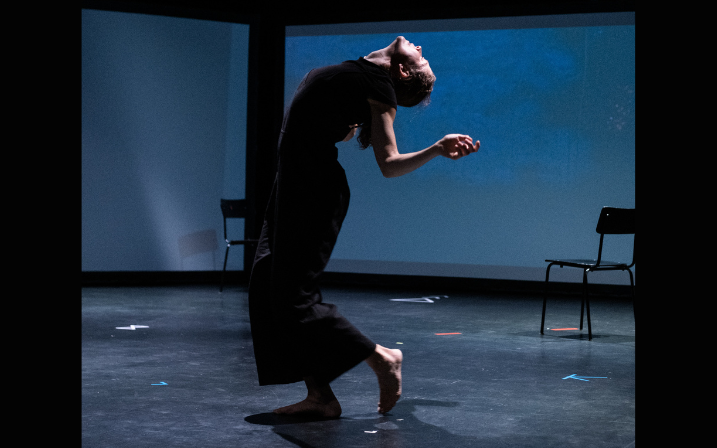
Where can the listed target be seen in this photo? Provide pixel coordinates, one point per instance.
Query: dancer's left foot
(386, 363)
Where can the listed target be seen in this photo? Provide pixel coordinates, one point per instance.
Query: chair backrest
(233, 208)
(615, 221)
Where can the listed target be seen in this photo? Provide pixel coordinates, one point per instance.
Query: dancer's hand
(351, 133)
(455, 146)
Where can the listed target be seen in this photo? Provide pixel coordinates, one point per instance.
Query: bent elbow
(387, 161)
(388, 171)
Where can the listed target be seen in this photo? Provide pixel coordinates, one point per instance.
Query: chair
(233, 208)
(612, 221)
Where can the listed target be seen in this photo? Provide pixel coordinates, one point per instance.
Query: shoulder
(382, 110)
(380, 85)
(380, 106)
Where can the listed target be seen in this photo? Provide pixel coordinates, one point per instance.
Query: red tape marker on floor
(443, 334)
(561, 329)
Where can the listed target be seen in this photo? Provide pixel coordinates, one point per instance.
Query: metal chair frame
(612, 221)
(233, 208)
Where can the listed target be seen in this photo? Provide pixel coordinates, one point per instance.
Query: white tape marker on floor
(428, 299)
(582, 378)
(132, 327)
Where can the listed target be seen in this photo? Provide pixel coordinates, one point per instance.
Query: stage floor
(179, 372)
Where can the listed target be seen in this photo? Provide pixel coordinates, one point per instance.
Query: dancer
(298, 337)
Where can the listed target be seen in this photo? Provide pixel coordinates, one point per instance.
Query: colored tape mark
(443, 334)
(162, 383)
(370, 432)
(132, 327)
(561, 329)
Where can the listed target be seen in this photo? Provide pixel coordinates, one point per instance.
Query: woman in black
(298, 337)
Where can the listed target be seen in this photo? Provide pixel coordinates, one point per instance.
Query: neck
(380, 58)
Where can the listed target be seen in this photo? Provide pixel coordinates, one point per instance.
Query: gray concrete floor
(189, 380)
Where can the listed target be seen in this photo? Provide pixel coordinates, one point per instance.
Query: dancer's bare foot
(320, 402)
(386, 363)
(312, 407)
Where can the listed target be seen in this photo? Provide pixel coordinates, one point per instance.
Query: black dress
(295, 333)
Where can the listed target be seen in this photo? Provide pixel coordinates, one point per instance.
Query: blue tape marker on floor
(160, 384)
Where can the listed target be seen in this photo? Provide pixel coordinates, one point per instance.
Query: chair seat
(235, 242)
(580, 263)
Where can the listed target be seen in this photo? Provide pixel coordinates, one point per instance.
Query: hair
(416, 89)
(412, 91)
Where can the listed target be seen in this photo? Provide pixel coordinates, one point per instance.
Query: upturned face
(407, 54)
(413, 54)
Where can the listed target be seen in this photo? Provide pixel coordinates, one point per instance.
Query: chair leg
(632, 287)
(582, 302)
(224, 270)
(545, 297)
(587, 303)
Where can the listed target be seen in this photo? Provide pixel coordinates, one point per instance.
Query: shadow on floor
(612, 338)
(398, 428)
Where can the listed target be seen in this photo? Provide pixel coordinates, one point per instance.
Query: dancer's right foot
(320, 402)
(386, 363)
(312, 407)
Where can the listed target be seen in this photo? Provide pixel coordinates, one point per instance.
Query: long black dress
(295, 333)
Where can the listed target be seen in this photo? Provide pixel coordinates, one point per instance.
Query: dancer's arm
(394, 164)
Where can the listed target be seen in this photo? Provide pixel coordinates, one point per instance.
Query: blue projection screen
(552, 100)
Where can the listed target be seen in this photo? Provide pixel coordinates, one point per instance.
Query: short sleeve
(379, 84)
